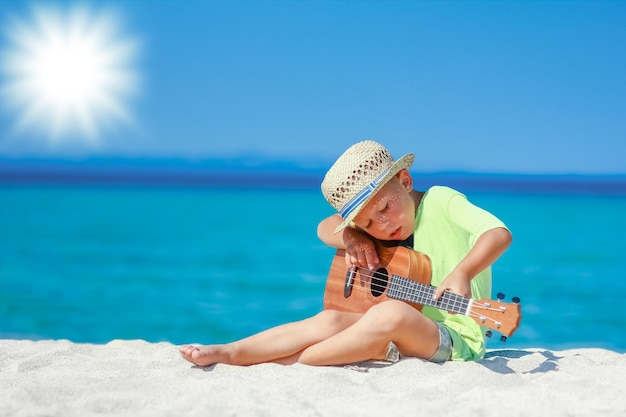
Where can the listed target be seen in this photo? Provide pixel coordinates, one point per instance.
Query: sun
(68, 74)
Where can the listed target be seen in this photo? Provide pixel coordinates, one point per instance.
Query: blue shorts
(443, 353)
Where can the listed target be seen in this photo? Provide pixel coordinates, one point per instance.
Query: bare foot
(202, 355)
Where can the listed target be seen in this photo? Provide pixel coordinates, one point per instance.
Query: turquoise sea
(96, 262)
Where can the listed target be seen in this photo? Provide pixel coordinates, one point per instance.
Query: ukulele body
(357, 289)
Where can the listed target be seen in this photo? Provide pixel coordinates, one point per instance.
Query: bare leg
(281, 344)
(414, 334)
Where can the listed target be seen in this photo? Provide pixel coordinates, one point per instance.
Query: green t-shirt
(447, 226)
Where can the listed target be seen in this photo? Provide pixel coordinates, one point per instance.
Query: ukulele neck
(405, 289)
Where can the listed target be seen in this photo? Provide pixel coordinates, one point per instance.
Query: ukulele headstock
(497, 315)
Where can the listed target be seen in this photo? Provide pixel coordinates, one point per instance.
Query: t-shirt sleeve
(470, 217)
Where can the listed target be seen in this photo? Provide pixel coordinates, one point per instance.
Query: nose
(382, 223)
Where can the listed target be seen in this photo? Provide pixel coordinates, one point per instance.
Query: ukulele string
(484, 319)
(410, 286)
(375, 277)
(481, 306)
(376, 286)
(481, 318)
(451, 302)
(403, 285)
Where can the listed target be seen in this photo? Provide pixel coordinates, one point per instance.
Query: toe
(186, 350)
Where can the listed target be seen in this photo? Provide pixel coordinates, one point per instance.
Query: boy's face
(391, 213)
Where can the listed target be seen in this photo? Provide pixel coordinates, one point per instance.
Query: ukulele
(404, 274)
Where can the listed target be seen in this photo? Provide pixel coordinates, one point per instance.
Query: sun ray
(68, 74)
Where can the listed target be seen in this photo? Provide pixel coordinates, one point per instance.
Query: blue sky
(485, 86)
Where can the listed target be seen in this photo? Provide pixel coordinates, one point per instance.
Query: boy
(375, 200)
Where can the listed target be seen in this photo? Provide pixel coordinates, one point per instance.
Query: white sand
(136, 378)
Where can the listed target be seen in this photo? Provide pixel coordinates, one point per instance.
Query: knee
(391, 315)
(330, 319)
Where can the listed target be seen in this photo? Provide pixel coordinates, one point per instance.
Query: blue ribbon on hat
(362, 195)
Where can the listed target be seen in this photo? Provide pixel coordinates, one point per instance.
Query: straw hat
(358, 174)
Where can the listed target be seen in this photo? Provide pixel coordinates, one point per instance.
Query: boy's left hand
(457, 282)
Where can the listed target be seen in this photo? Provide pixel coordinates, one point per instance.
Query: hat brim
(403, 163)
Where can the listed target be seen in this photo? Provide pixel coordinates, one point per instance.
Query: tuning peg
(516, 300)
(500, 296)
(503, 339)
(488, 333)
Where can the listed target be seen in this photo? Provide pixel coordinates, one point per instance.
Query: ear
(405, 179)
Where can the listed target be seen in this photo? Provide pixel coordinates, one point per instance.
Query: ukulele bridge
(350, 276)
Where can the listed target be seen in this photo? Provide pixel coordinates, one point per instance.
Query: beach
(137, 378)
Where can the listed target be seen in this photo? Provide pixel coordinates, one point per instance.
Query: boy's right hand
(360, 249)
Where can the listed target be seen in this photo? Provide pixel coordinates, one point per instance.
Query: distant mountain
(233, 172)
(250, 172)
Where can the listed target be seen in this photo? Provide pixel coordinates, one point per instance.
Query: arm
(326, 232)
(488, 248)
(359, 246)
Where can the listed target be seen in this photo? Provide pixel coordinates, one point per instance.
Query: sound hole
(379, 282)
